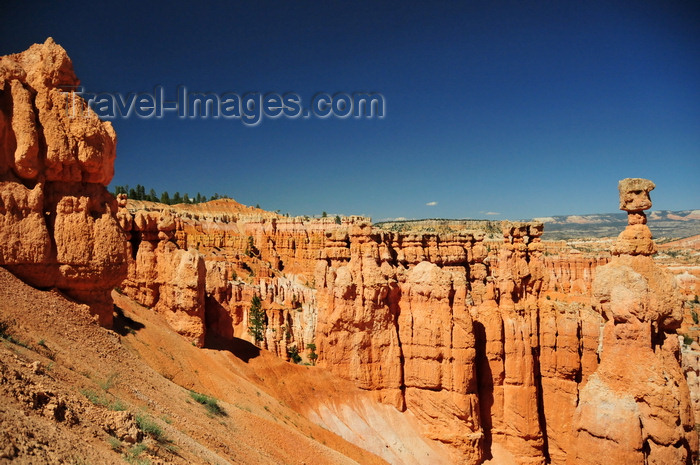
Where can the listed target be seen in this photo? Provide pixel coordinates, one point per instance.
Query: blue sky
(524, 109)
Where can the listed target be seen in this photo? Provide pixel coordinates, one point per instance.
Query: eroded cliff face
(202, 264)
(442, 325)
(490, 344)
(57, 220)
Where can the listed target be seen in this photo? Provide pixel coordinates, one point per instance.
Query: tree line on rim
(139, 193)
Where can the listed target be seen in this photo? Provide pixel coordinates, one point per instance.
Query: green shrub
(687, 340)
(211, 404)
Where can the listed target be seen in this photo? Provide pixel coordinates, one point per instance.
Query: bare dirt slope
(73, 392)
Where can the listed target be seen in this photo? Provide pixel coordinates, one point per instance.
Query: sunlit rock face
(635, 408)
(58, 225)
(162, 275)
(489, 343)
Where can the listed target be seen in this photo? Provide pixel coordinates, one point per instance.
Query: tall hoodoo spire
(635, 409)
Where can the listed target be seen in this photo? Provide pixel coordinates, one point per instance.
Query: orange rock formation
(487, 344)
(57, 220)
(635, 408)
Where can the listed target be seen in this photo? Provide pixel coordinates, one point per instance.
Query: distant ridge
(666, 224)
(663, 224)
(440, 225)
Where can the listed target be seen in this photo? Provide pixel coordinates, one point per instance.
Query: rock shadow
(244, 350)
(217, 318)
(123, 324)
(485, 385)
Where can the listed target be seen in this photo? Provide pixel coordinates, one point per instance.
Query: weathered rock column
(58, 224)
(635, 409)
(522, 430)
(356, 332)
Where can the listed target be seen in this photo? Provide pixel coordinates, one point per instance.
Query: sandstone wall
(446, 325)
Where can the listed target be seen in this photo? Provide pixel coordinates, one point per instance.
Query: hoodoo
(58, 224)
(635, 409)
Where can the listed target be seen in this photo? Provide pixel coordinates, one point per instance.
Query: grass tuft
(114, 443)
(101, 400)
(133, 455)
(150, 427)
(4, 334)
(109, 382)
(210, 403)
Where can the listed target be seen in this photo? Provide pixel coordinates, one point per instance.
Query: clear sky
(494, 109)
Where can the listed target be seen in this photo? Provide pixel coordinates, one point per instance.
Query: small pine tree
(177, 198)
(337, 219)
(293, 354)
(256, 319)
(324, 215)
(165, 198)
(313, 356)
(152, 196)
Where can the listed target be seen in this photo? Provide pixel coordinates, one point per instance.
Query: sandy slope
(257, 429)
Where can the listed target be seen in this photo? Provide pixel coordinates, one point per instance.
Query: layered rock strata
(57, 221)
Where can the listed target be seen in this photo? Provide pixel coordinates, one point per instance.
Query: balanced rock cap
(634, 194)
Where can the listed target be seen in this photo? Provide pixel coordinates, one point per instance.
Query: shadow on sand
(244, 350)
(124, 325)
